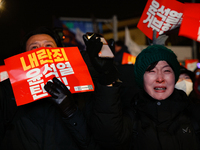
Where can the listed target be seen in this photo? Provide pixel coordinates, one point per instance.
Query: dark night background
(20, 16)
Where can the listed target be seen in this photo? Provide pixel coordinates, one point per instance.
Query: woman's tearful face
(160, 81)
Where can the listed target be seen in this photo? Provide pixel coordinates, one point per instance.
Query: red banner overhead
(190, 26)
(160, 15)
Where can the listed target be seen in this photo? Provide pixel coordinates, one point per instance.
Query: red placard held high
(160, 15)
(31, 70)
(190, 26)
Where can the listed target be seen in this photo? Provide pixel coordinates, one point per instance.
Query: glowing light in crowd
(1, 4)
(198, 65)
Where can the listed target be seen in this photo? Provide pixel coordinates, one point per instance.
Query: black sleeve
(94, 74)
(78, 128)
(110, 126)
(8, 105)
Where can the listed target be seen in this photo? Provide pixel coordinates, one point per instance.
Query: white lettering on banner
(33, 72)
(35, 90)
(161, 19)
(65, 68)
(149, 19)
(162, 10)
(51, 69)
(65, 80)
(36, 81)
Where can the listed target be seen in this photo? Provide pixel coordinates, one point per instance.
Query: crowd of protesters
(151, 105)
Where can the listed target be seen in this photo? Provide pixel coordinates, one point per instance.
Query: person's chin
(160, 97)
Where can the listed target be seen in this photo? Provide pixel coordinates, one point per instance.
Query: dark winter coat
(147, 124)
(40, 125)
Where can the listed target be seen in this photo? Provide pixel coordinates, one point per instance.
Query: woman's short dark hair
(40, 30)
(119, 43)
(153, 65)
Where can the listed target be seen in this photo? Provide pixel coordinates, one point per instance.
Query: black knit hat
(153, 54)
(188, 72)
(41, 30)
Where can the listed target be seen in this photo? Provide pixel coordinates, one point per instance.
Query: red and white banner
(128, 59)
(160, 15)
(191, 64)
(29, 72)
(190, 26)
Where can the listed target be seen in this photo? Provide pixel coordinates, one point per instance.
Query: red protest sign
(160, 15)
(190, 26)
(192, 10)
(128, 59)
(29, 72)
(191, 64)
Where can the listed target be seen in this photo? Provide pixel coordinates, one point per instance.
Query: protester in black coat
(49, 124)
(160, 117)
(120, 49)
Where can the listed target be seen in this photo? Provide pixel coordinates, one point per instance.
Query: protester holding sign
(50, 123)
(158, 117)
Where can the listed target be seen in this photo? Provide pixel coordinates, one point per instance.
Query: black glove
(105, 66)
(61, 96)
